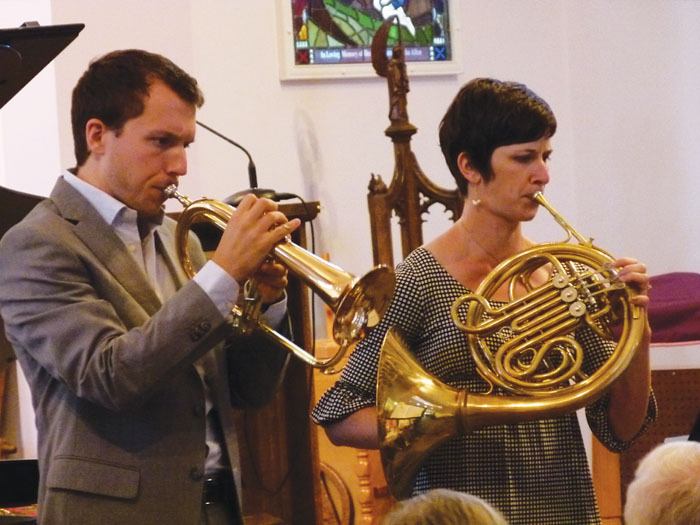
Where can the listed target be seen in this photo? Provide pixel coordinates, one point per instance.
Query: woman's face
(519, 170)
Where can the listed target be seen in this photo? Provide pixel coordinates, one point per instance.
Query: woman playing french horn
(496, 139)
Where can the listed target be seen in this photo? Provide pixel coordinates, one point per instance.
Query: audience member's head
(444, 507)
(666, 486)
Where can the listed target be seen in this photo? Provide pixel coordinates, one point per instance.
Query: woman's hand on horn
(634, 273)
(252, 232)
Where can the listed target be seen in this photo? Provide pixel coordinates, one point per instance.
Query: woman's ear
(471, 175)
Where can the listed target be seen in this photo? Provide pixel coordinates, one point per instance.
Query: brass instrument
(538, 368)
(358, 302)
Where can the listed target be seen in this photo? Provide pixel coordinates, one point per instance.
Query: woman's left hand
(634, 273)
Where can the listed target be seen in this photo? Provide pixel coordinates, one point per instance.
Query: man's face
(136, 163)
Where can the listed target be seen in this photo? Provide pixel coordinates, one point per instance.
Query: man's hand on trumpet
(255, 227)
(271, 278)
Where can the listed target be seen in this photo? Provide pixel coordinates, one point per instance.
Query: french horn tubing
(537, 371)
(357, 302)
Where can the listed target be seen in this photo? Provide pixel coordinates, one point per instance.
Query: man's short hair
(114, 87)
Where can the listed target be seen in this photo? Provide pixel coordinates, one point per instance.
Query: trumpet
(357, 302)
(538, 369)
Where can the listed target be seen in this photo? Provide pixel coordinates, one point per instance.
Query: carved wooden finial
(394, 70)
(376, 184)
(379, 58)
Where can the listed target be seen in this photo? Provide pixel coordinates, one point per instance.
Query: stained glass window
(341, 31)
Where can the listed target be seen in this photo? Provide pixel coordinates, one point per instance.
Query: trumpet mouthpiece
(172, 193)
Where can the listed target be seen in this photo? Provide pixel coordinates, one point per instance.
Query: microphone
(252, 176)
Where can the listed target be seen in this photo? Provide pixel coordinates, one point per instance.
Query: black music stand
(26, 50)
(19, 482)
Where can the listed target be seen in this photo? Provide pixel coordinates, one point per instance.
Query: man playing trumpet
(130, 364)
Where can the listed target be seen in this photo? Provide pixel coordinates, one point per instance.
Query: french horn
(537, 371)
(357, 302)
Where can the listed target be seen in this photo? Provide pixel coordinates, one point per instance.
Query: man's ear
(467, 169)
(95, 131)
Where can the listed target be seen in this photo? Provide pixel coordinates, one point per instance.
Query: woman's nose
(540, 173)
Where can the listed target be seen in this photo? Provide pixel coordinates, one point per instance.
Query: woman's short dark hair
(487, 114)
(114, 87)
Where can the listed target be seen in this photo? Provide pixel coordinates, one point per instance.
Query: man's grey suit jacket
(119, 405)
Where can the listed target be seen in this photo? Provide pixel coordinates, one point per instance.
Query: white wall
(621, 75)
(635, 85)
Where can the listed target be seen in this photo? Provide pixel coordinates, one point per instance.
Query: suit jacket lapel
(165, 245)
(108, 248)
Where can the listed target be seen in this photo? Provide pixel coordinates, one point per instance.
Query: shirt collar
(109, 208)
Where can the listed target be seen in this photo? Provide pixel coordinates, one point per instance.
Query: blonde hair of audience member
(666, 486)
(444, 507)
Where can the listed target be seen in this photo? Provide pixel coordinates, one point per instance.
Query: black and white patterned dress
(534, 472)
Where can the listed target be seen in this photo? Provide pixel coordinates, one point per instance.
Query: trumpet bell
(357, 302)
(363, 304)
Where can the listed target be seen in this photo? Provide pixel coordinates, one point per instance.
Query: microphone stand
(236, 198)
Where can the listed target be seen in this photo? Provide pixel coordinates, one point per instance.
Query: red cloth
(674, 307)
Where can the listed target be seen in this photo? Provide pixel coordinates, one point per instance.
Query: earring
(476, 202)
